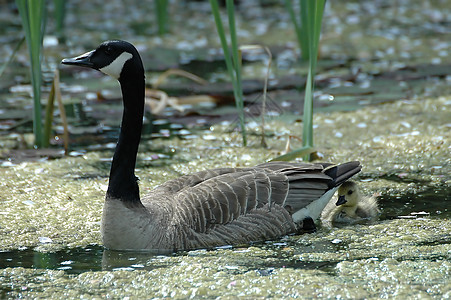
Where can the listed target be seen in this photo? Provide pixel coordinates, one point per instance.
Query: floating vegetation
(382, 97)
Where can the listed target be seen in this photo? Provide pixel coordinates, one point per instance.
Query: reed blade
(232, 58)
(315, 11)
(161, 11)
(48, 120)
(60, 14)
(295, 154)
(11, 57)
(32, 13)
(308, 30)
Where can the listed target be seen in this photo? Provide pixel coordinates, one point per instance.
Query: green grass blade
(60, 14)
(48, 120)
(312, 23)
(305, 14)
(237, 67)
(32, 13)
(36, 14)
(23, 12)
(222, 38)
(318, 22)
(294, 20)
(315, 15)
(300, 26)
(161, 10)
(307, 120)
(308, 31)
(233, 71)
(304, 151)
(232, 28)
(6, 64)
(62, 110)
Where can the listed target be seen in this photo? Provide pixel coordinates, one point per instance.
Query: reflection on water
(79, 260)
(434, 201)
(73, 261)
(96, 258)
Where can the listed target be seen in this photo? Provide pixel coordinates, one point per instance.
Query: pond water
(418, 247)
(424, 205)
(383, 98)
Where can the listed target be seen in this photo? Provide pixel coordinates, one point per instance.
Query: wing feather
(209, 199)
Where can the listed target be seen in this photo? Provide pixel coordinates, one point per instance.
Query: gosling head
(348, 194)
(116, 58)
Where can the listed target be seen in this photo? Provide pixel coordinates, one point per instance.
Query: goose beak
(341, 200)
(83, 60)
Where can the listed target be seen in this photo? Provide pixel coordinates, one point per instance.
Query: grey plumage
(238, 205)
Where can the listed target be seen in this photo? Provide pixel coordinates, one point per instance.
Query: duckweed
(54, 206)
(57, 204)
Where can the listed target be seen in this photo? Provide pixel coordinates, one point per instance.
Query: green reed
(32, 13)
(60, 13)
(232, 58)
(308, 30)
(161, 11)
(11, 57)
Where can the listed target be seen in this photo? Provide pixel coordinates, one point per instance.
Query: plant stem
(32, 13)
(13, 54)
(161, 10)
(315, 11)
(62, 110)
(294, 154)
(60, 13)
(49, 115)
(233, 66)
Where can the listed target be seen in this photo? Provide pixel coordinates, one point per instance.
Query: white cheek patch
(114, 69)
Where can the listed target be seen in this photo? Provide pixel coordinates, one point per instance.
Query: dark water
(433, 201)
(96, 258)
(73, 261)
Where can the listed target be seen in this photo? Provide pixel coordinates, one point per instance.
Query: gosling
(351, 207)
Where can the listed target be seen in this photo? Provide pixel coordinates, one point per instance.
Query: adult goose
(205, 209)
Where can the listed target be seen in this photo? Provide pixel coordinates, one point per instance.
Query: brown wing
(234, 205)
(220, 196)
(224, 198)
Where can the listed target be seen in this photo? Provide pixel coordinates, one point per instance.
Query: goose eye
(349, 192)
(108, 51)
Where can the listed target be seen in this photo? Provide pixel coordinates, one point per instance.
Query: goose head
(118, 59)
(121, 60)
(348, 194)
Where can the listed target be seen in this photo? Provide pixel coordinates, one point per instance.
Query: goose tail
(341, 173)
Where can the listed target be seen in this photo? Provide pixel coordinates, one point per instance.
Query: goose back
(238, 205)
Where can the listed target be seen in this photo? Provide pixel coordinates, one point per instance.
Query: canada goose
(206, 209)
(351, 207)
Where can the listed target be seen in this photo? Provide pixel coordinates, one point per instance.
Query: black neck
(123, 183)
